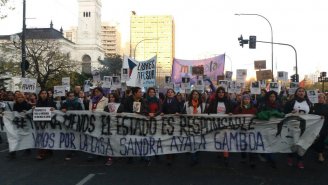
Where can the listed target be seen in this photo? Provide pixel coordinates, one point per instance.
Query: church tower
(88, 34)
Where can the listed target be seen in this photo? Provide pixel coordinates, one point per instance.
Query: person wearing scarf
(153, 103)
(98, 101)
(299, 104)
(71, 103)
(193, 106)
(246, 108)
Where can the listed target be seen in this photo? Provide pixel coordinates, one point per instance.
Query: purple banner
(212, 67)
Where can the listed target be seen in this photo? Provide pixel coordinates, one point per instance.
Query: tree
(46, 59)
(5, 6)
(112, 65)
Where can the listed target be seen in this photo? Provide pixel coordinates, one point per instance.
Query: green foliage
(75, 79)
(111, 65)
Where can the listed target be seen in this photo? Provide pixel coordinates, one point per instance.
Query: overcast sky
(208, 27)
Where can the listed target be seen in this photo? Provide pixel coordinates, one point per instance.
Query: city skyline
(207, 28)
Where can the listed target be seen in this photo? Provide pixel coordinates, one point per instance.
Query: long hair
(191, 97)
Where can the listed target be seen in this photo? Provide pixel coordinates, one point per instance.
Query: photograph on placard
(228, 75)
(136, 106)
(313, 96)
(255, 88)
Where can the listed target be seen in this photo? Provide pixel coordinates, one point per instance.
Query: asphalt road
(26, 170)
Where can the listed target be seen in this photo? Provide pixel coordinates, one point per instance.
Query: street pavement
(26, 170)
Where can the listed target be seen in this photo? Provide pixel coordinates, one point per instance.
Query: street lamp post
(135, 48)
(229, 59)
(271, 38)
(23, 64)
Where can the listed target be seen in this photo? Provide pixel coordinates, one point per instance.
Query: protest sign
(129, 134)
(66, 82)
(28, 85)
(42, 114)
(59, 91)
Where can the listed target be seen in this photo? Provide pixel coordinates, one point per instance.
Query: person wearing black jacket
(321, 108)
(134, 103)
(170, 104)
(43, 101)
(20, 105)
(219, 103)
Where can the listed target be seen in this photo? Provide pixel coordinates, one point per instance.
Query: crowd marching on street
(152, 104)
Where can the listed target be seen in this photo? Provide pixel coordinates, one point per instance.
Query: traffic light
(242, 41)
(294, 78)
(252, 42)
(25, 65)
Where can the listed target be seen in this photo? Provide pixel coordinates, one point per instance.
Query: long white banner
(135, 135)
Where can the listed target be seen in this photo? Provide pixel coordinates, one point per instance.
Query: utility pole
(23, 64)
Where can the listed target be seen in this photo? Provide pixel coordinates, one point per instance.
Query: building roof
(39, 33)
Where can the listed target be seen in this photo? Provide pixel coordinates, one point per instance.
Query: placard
(28, 85)
(42, 114)
(59, 91)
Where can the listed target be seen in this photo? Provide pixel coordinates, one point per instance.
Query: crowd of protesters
(152, 104)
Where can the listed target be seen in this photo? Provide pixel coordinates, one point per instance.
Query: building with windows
(153, 35)
(110, 39)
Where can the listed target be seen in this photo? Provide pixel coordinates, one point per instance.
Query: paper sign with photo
(136, 106)
(96, 76)
(293, 87)
(86, 86)
(112, 107)
(200, 84)
(224, 83)
(275, 86)
(107, 82)
(116, 82)
(313, 96)
(255, 88)
(241, 75)
(228, 75)
(67, 83)
(59, 91)
(231, 86)
(125, 74)
(185, 83)
(28, 85)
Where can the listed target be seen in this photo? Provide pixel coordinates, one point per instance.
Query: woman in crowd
(71, 103)
(181, 100)
(170, 106)
(98, 100)
(154, 109)
(134, 103)
(193, 106)
(20, 105)
(32, 99)
(321, 108)
(270, 106)
(220, 104)
(113, 103)
(246, 107)
(299, 104)
(83, 99)
(43, 101)
(152, 102)
(98, 103)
